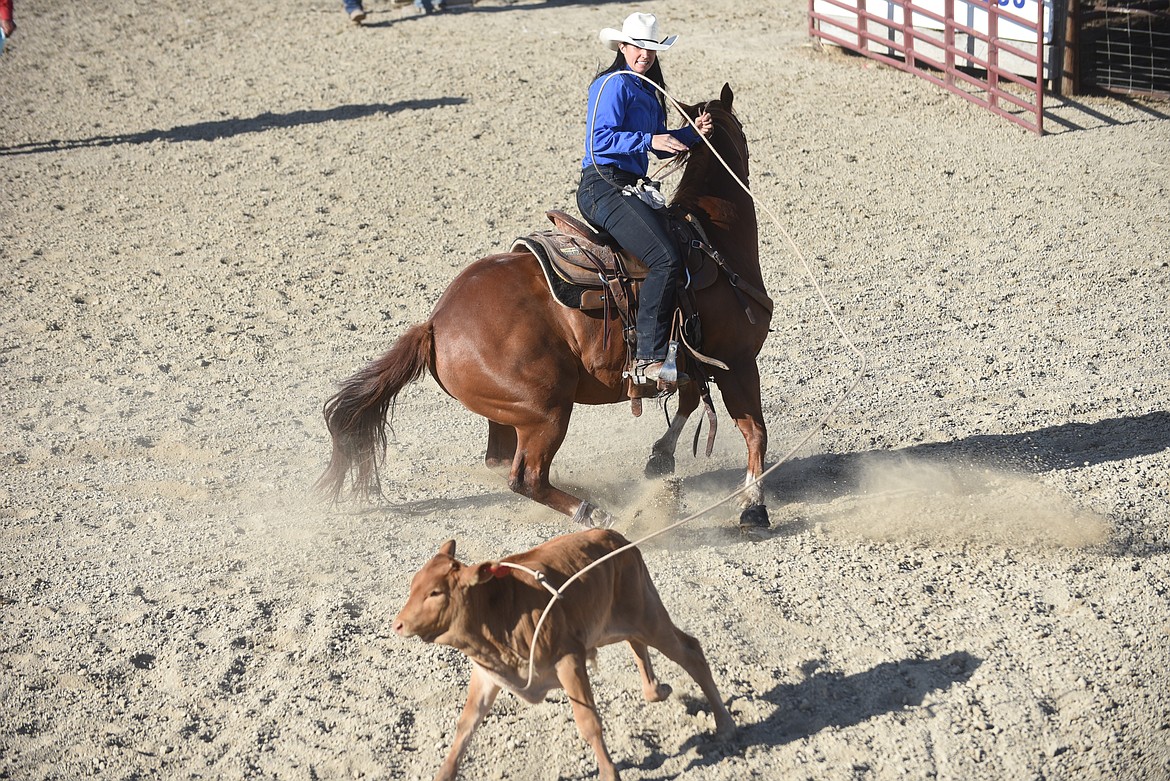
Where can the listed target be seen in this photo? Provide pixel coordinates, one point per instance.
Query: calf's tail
(356, 415)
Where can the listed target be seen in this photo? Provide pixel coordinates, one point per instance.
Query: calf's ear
(486, 571)
(448, 548)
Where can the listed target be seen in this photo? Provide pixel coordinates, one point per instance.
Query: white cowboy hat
(640, 30)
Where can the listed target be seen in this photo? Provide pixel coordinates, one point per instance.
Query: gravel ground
(213, 212)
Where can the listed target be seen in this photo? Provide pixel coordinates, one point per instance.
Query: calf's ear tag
(488, 570)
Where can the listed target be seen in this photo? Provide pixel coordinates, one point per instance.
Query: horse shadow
(827, 476)
(830, 699)
(226, 128)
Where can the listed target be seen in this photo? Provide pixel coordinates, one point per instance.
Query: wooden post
(1070, 75)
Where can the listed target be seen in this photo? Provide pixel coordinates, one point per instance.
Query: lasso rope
(861, 370)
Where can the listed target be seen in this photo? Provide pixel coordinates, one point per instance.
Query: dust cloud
(940, 503)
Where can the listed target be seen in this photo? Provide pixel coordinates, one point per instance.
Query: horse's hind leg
(501, 445)
(535, 447)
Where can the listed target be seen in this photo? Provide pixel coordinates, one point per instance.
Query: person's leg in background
(354, 10)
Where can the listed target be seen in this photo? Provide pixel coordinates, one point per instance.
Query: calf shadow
(832, 699)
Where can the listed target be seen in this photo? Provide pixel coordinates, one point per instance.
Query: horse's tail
(356, 415)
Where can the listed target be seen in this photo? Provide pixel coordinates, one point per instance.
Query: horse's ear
(726, 96)
(448, 549)
(689, 111)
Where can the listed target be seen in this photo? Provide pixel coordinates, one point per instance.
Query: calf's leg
(481, 695)
(685, 651)
(652, 689)
(573, 677)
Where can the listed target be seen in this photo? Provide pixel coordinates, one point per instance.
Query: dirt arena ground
(211, 213)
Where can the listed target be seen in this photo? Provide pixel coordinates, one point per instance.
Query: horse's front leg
(661, 460)
(741, 395)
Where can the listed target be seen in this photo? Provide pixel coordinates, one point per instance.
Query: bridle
(716, 109)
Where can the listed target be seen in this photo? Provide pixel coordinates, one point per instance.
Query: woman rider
(626, 120)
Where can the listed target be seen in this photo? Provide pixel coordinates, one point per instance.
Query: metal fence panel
(989, 53)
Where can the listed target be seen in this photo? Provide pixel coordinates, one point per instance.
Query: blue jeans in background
(641, 230)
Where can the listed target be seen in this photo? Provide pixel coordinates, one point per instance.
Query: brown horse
(501, 344)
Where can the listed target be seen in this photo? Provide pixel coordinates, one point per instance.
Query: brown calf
(490, 612)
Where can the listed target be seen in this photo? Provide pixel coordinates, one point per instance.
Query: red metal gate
(986, 52)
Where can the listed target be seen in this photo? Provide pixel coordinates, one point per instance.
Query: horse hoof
(754, 517)
(658, 693)
(593, 517)
(659, 465)
(600, 519)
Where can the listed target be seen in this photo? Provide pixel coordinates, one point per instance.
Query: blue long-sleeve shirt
(624, 116)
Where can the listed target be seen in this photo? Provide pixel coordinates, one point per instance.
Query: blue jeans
(642, 231)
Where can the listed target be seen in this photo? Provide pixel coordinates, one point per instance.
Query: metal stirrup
(669, 371)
